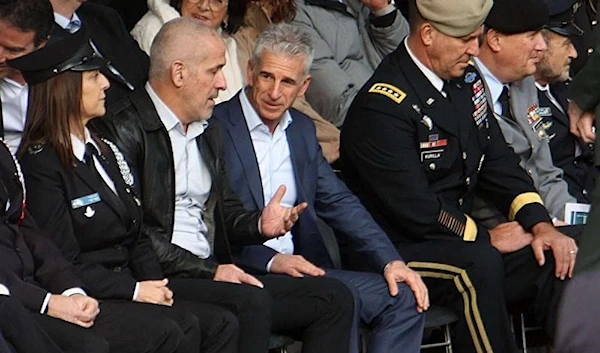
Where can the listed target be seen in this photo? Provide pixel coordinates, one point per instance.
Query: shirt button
(464, 156)
(594, 22)
(530, 172)
(575, 162)
(591, 50)
(584, 192)
(432, 166)
(468, 180)
(460, 202)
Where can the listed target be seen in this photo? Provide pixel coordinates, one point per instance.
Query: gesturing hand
(294, 265)
(233, 274)
(277, 220)
(155, 292)
(397, 271)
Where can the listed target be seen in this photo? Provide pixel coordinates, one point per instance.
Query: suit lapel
(296, 144)
(242, 142)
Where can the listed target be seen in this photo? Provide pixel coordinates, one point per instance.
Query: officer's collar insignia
(430, 101)
(470, 77)
(390, 91)
(427, 122)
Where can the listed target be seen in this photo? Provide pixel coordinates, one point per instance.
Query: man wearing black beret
(570, 154)
(429, 144)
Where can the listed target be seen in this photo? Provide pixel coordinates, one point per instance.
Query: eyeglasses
(213, 5)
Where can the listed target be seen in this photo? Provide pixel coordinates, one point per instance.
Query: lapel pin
(89, 212)
(416, 108)
(427, 122)
(430, 101)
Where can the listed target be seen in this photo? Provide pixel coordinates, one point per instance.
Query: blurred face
(449, 56)
(210, 12)
(93, 85)
(521, 53)
(275, 84)
(204, 80)
(556, 59)
(13, 44)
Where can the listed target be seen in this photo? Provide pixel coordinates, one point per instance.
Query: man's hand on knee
(233, 274)
(397, 271)
(295, 266)
(509, 236)
(564, 249)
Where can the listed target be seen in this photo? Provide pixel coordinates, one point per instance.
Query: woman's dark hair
(236, 10)
(54, 105)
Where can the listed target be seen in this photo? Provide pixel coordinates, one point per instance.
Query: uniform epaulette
(390, 91)
(35, 149)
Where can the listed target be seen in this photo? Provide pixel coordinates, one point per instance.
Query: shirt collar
(64, 22)
(170, 120)
(13, 83)
(435, 80)
(254, 121)
(78, 146)
(494, 85)
(541, 87)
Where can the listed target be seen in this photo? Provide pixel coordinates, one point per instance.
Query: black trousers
(317, 310)
(127, 327)
(479, 284)
(19, 332)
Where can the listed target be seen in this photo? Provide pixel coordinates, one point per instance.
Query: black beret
(73, 52)
(561, 18)
(517, 16)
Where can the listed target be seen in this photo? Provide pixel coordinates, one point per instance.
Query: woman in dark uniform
(79, 190)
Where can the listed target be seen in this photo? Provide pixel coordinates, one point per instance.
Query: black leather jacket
(135, 127)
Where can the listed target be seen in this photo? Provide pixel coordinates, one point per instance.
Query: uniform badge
(545, 111)
(89, 212)
(427, 122)
(390, 91)
(430, 101)
(470, 77)
(85, 200)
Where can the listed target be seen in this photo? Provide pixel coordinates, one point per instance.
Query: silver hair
(178, 39)
(286, 39)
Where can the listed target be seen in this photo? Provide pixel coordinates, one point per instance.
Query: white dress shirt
(494, 86)
(79, 153)
(192, 180)
(72, 24)
(14, 97)
(275, 164)
(435, 80)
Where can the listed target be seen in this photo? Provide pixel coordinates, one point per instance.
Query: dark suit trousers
(127, 327)
(393, 321)
(478, 283)
(319, 311)
(20, 332)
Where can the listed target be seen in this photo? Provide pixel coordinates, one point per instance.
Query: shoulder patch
(390, 91)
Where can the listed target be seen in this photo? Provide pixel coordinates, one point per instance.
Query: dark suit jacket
(106, 28)
(326, 195)
(134, 125)
(103, 238)
(30, 265)
(579, 172)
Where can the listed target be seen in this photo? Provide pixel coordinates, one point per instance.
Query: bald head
(184, 39)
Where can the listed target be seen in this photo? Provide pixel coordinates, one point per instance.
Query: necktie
(505, 103)
(73, 26)
(88, 158)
